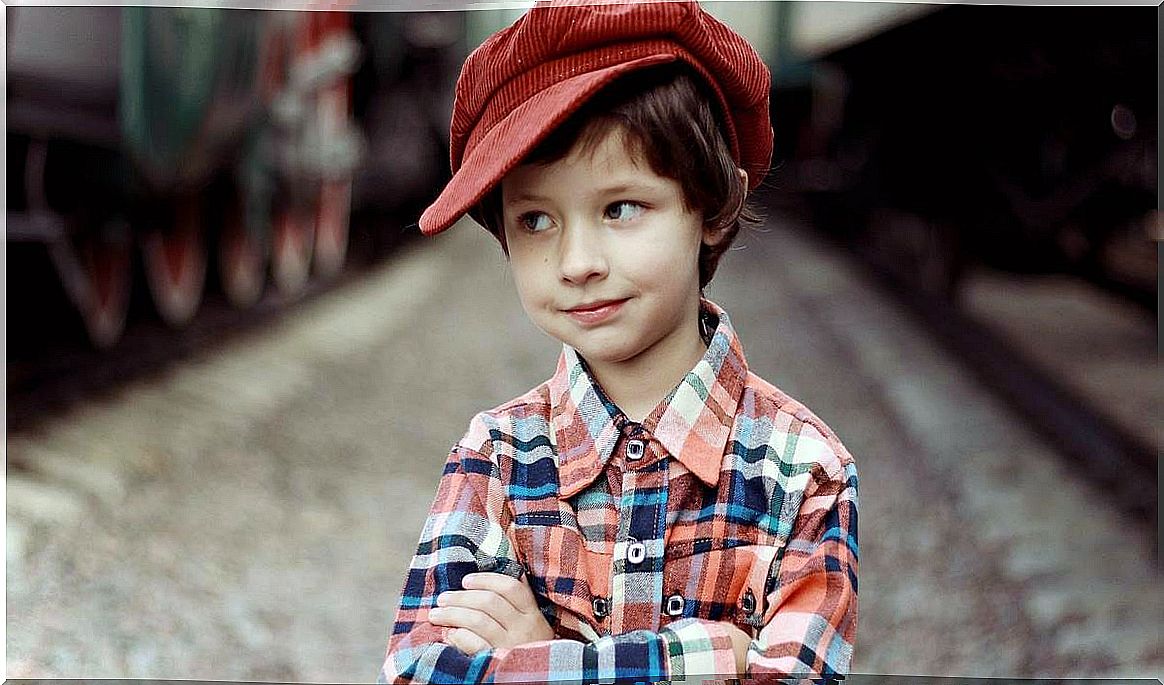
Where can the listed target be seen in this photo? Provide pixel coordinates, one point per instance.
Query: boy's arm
(811, 616)
(466, 532)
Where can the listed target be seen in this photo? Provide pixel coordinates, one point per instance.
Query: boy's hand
(492, 611)
(740, 643)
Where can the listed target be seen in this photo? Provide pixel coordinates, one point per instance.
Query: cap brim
(503, 147)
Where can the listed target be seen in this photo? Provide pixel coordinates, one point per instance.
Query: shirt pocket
(716, 582)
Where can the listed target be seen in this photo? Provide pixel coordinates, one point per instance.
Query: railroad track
(1118, 461)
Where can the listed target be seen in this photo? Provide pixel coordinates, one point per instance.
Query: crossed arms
(457, 625)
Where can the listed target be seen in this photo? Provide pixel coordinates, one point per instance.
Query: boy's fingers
(490, 609)
(485, 601)
(516, 592)
(467, 641)
(479, 622)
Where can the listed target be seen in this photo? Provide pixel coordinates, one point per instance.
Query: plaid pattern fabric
(730, 503)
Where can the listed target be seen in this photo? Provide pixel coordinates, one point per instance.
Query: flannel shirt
(729, 503)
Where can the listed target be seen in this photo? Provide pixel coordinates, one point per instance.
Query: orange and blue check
(730, 504)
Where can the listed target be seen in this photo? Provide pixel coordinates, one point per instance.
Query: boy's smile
(594, 313)
(604, 254)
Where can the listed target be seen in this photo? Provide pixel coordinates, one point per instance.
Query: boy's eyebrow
(621, 188)
(524, 197)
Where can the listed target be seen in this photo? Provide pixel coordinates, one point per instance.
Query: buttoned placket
(636, 583)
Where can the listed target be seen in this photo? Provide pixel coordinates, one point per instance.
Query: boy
(652, 511)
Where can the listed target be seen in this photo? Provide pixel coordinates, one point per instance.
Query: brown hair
(667, 120)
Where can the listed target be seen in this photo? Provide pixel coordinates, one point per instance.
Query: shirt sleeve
(811, 616)
(466, 532)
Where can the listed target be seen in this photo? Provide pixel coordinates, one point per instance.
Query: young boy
(654, 510)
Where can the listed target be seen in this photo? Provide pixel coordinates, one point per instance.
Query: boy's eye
(624, 210)
(534, 222)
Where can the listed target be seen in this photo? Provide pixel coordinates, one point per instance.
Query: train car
(937, 137)
(403, 102)
(198, 146)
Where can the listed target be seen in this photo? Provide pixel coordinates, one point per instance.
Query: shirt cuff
(698, 647)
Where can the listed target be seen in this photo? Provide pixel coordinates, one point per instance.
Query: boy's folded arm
(811, 616)
(686, 647)
(637, 655)
(465, 533)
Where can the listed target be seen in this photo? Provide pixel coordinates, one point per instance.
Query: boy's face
(605, 255)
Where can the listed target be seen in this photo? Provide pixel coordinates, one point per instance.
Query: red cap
(528, 78)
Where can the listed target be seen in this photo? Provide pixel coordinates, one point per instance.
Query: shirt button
(601, 607)
(748, 603)
(636, 552)
(634, 450)
(674, 605)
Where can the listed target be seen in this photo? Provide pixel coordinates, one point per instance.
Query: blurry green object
(190, 88)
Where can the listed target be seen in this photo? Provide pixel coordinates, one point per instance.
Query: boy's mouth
(594, 312)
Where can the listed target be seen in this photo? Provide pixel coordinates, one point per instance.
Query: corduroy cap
(527, 79)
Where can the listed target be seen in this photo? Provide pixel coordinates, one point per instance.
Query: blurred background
(234, 370)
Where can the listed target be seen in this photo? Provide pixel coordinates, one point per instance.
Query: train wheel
(331, 239)
(335, 195)
(242, 260)
(106, 262)
(292, 242)
(175, 264)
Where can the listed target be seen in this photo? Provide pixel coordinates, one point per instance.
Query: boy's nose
(581, 254)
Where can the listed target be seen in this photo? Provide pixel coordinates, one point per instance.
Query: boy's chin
(608, 344)
(613, 351)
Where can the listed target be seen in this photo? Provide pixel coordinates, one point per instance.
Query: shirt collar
(692, 423)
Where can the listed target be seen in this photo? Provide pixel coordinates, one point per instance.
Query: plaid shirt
(731, 503)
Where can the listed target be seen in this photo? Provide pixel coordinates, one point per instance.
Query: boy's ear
(711, 236)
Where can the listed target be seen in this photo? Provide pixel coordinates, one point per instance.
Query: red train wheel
(106, 264)
(331, 239)
(175, 264)
(292, 242)
(335, 195)
(242, 260)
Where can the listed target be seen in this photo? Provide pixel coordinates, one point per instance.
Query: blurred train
(193, 148)
(937, 137)
(201, 147)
